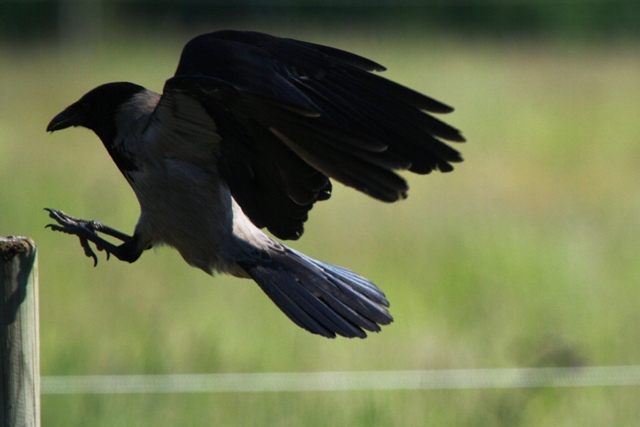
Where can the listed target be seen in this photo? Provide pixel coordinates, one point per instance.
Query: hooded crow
(248, 135)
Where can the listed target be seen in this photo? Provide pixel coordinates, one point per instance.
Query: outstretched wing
(292, 114)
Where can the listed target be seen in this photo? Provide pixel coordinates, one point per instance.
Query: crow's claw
(86, 230)
(89, 252)
(70, 225)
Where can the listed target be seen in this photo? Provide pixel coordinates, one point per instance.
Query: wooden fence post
(19, 339)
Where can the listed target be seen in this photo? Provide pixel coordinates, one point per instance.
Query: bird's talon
(88, 251)
(69, 225)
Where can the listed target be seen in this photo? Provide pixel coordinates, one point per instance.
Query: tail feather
(321, 298)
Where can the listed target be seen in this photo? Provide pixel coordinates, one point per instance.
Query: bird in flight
(247, 135)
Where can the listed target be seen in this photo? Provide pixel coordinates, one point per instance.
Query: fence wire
(598, 376)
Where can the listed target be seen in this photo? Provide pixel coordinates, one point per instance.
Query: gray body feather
(184, 202)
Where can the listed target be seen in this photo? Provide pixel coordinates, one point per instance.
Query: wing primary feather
(370, 179)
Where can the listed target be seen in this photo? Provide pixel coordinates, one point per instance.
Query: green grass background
(525, 255)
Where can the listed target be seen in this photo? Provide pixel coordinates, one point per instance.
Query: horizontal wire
(598, 376)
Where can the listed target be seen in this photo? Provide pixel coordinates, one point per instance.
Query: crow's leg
(87, 231)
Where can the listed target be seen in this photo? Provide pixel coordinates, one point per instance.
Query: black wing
(293, 114)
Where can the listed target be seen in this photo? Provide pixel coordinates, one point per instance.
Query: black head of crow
(247, 135)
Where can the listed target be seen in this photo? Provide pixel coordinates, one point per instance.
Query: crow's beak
(69, 117)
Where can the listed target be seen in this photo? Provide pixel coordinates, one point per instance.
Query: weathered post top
(19, 335)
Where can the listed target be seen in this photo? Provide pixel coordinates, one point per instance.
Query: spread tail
(322, 298)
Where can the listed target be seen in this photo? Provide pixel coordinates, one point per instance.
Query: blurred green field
(526, 255)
